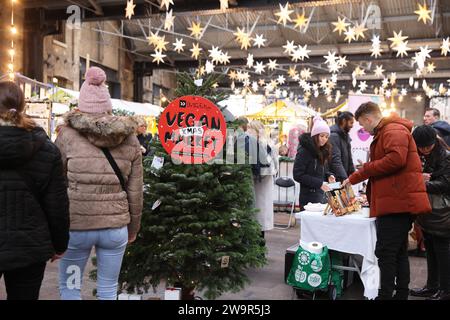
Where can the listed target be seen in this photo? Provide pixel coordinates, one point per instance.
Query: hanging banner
(361, 139)
(192, 130)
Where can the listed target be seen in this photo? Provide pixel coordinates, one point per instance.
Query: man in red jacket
(396, 192)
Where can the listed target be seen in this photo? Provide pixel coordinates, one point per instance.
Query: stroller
(312, 273)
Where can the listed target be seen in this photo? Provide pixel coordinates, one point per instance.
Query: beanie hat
(424, 136)
(94, 96)
(319, 126)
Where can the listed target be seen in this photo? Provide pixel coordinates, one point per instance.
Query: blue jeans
(110, 247)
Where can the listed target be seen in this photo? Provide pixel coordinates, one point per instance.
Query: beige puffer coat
(97, 200)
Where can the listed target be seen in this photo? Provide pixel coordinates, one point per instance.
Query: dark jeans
(392, 253)
(438, 262)
(24, 283)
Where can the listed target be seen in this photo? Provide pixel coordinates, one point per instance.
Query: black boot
(423, 292)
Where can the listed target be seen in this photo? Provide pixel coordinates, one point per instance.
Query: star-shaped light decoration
(376, 47)
(419, 60)
(284, 14)
(158, 56)
(169, 21)
(397, 39)
(153, 39)
(243, 38)
(358, 72)
(255, 86)
(196, 29)
(350, 34)
(340, 25)
(359, 31)
(431, 67)
(301, 21)
(334, 78)
(342, 62)
(289, 47)
(209, 67)
(166, 3)
(331, 84)
(418, 98)
(425, 53)
(195, 50)
(259, 67)
(178, 45)
(388, 93)
(306, 73)
(292, 71)
(273, 83)
(224, 5)
(363, 86)
(334, 67)
(232, 75)
(393, 78)
(281, 79)
(215, 54)
(262, 82)
(129, 10)
(330, 57)
(224, 58)
(423, 13)
(404, 92)
(296, 77)
(259, 41)
(272, 64)
(161, 45)
(200, 71)
(215, 85)
(379, 71)
(246, 83)
(303, 52)
(323, 83)
(402, 49)
(250, 60)
(445, 48)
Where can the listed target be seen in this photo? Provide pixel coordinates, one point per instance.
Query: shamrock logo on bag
(316, 265)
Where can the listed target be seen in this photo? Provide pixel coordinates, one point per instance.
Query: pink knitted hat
(94, 95)
(319, 126)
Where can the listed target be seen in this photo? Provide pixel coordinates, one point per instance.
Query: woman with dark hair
(311, 163)
(436, 226)
(34, 207)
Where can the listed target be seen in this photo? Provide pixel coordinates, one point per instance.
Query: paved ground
(266, 283)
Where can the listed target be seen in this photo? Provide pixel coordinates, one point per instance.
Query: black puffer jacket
(309, 172)
(438, 164)
(31, 232)
(342, 162)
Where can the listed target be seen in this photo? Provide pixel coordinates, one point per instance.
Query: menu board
(41, 113)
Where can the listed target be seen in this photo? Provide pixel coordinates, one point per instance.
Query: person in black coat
(311, 164)
(435, 226)
(34, 206)
(342, 162)
(144, 138)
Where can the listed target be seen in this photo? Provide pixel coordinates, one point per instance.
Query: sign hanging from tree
(192, 130)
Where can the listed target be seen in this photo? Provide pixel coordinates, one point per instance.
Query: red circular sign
(192, 130)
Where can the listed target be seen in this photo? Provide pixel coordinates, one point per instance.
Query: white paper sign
(157, 162)
(198, 82)
(172, 294)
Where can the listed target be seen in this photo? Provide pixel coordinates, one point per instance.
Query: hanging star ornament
(262, 82)
(195, 51)
(209, 67)
(431, 67)
(292, 71)
(359, 31)
(340, 25)
(169, 21)
(281, 79)
(259, 41)
(284, 14)
(224, 5)
(379, 71)
(196, 30)
(376, 47)
(178, 45)
(289, 47)
(423, 13)
(301, 21)
(397, 39)
(243, 38)
(215, 54)
(363, 86)
(350, 34)
(259, 67)
(158, 56)
(161, 44)
(306, 73)
(129, 10)
(303, 52)
(250, 60)
(224, 58)
(232, 75)
(153, 39)
(165, 3)
(272, 64)
(402, 49)
(445, 48)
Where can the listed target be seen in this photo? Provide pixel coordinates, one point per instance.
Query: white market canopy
(142, 109)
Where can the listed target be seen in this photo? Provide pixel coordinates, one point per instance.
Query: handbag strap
(115, 167)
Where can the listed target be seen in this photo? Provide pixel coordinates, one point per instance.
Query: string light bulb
(13, 29)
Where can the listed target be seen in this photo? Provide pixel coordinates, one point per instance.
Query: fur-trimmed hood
(102, 130)
(306, 142)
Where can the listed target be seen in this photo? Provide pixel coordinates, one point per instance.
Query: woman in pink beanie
(102, 161)
(311, 163)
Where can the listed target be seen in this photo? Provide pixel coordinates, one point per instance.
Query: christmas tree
(199, 228)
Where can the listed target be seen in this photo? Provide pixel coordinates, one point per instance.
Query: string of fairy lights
(12, 51)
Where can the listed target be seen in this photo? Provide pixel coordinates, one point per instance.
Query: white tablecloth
(352, 234)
